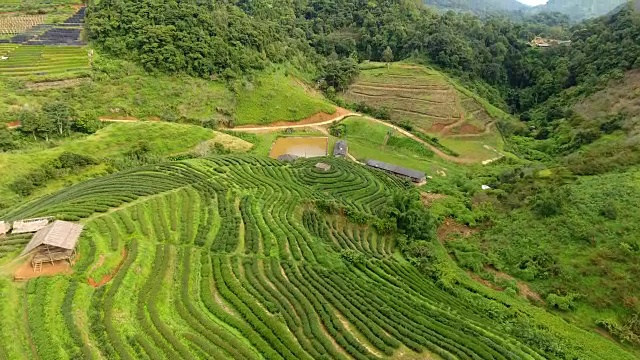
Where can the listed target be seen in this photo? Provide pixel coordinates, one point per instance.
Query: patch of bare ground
(59, 84)
(450, 227)
(25, 272)
(396, 97)
(98, 263)
(356, 334)
(402, 86)
(396, 87)
(429, 198)
(523, 287)
(105, 279)
(115, 118)
(466, 129)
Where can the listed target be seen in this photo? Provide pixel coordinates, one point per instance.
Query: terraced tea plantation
(421, 97)
(228, 258)
(31, 61)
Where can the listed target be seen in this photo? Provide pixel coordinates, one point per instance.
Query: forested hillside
(580, 9)
(482, 6)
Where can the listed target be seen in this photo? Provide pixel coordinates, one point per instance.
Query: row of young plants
(202, 324)
(251, 231)
(227, 238)
(267, 326)
(326, 313)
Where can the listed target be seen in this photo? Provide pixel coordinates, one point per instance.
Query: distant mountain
(580, 9)
(478, 6)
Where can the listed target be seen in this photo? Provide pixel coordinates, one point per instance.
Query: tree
(60, 115)
(6, 140)
(387, 56)
(36, 124)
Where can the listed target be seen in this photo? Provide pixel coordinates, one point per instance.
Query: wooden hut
(55, 242)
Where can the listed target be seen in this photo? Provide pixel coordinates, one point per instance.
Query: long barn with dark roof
(410, 174)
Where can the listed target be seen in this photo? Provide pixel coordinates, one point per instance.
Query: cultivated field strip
(27, 61)
(226, 258)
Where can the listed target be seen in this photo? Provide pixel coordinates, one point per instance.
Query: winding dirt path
(440, 153)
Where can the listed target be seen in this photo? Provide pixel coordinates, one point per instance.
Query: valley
(317, 180)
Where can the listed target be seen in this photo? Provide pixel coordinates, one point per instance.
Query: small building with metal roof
(413, 175)
(4, 228)
(56, 241)
(340, 149)
(30, 225)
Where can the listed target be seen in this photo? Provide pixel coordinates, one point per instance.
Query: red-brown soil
(119, 118)
(25, 271)
(14, 124)
(523, 288)
(105, 279)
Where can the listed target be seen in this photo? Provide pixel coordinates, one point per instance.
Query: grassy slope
(594, 254)
(119, 89)
(277, 96)
(115, 139)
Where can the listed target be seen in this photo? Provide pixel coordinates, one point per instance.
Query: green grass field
(227, 257)
(366, 140)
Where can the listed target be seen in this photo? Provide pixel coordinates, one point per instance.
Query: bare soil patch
(429, 198)
(523, 287)
(451, 227)
(105, 279)
(54, 84)
(116, 118)
(466, 129)
(25, 271)
(14, 124)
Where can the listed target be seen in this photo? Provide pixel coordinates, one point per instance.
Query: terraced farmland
(31, 61)
(226, 258)
(15, 5)
(421, 97)
(18, 24)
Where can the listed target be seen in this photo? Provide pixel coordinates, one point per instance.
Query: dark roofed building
(288, 158)
(340, 149)
(413, 175)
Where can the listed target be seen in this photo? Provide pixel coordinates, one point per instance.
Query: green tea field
(232, 257)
